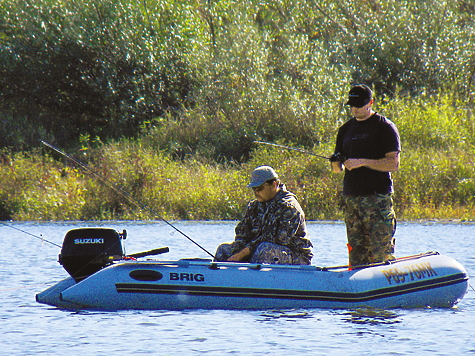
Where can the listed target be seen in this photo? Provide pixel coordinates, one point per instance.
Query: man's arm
(243, 236)
(240, 255)
(390, 163)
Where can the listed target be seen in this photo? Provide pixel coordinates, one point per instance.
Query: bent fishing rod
(124, 194)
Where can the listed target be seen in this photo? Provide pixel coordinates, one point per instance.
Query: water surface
(29, 265)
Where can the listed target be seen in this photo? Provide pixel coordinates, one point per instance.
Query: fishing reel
(337, 157)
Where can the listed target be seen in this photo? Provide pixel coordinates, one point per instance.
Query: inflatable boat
(103, 278)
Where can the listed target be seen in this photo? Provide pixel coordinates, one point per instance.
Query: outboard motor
(87, 250)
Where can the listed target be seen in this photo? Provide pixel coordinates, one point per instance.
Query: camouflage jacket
(280, 221)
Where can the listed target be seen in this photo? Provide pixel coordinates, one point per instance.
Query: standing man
(367, 149)
(273, 228)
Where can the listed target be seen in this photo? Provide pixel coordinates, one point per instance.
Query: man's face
(362, 113)
(264, 192)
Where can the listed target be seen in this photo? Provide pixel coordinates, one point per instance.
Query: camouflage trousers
(266, 252)
(370, 227)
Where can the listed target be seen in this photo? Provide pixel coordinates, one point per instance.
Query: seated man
(273, 227)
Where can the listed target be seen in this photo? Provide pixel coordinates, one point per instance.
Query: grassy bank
(436, 179)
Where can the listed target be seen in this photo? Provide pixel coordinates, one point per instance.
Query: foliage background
(165, 98)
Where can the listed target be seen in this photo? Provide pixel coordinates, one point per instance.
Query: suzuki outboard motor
(87, 250)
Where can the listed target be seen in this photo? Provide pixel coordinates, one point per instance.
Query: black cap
(359, 96)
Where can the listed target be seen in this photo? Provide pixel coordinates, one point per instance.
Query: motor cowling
(87, 250)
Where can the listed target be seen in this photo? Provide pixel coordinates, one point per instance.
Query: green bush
(166, 98)
(83, 67)
(209, 78)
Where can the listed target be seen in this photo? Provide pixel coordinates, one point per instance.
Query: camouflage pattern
(280, 222)
(370, 225)
(266, 252)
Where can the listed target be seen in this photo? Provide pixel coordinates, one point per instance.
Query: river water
(29, 265)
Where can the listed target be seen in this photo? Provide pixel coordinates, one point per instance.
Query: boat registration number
(408, 273)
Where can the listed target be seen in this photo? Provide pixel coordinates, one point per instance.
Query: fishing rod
(291, 148)
(336, 157)
(100, 256)
(124, 194)
(26, 232)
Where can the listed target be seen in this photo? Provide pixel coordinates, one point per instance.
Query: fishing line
(54, 244)
(124, 194)
(26, 232)
(292, 148)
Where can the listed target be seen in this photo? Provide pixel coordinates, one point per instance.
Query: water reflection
(369, 316)
(279, 314)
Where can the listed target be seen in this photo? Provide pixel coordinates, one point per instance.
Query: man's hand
(337, 157)
(240, 255)
(336, 161)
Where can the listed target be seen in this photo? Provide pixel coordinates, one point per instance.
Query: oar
(156, 251)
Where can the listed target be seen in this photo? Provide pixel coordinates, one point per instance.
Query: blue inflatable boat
(102, 278)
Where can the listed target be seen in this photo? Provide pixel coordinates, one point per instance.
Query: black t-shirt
(372, 139)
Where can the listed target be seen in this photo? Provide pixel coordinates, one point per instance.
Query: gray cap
(260, 175)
